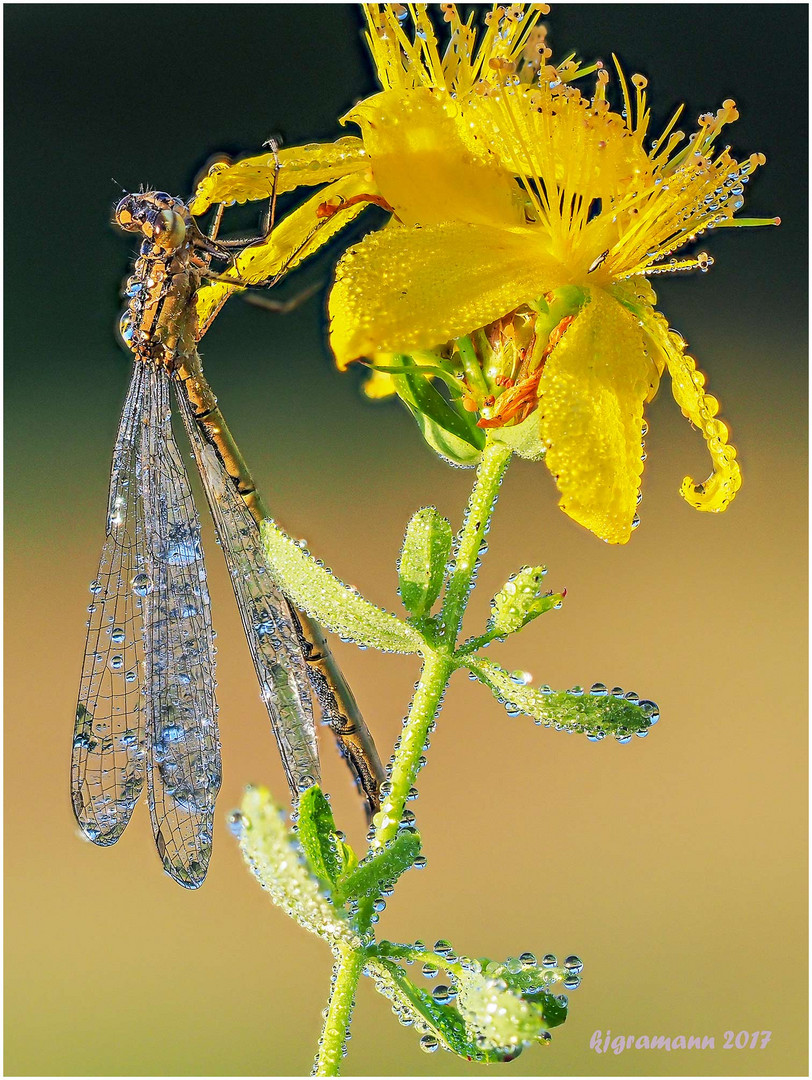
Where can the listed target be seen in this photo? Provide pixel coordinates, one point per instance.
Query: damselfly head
(157, 215)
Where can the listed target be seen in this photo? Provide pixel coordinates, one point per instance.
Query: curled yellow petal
(424, 165)
(591, 396)
(688, 387)
(405, 289)
(298, 166)
(293, 239)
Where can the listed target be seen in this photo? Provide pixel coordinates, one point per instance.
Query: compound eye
(168, 230)
(125, 215)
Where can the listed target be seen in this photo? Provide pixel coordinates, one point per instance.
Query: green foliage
(488, 1011)
(270, 849)
(417, 1006)
(335, 605)
(520, 600)
(596, 713)
(449, 430)
(379, 870)
(423, 559)
(330, 857)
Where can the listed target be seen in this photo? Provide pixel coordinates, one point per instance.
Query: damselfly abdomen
(146, 711)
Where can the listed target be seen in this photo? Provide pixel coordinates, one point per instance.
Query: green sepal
(449, 431)
(423, 558)
(420, 393)
(328, 855)
(380, 870)
(444, 443)
(523, 439)
(596, 713)
(519, 601)
(314, 589)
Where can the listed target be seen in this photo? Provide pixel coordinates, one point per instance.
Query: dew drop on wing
(107, 768)
(184, 768)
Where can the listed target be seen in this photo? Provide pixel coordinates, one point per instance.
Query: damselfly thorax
(146, 712)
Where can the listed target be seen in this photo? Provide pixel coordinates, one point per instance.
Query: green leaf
(442, 1021)
(380, 870)
(504, 1014)
(421, 569)
(418, 392)
(271, 851)
(499, 1008)
(450, 447)
(450, 432)
(310, 586)
(595, 713)
(329, 856)
(520, 600)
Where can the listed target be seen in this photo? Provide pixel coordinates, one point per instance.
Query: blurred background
(675, 866)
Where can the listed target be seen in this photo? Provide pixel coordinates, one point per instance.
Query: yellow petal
(424, 166)
(591, 396)
(252, 178)
(405, 289)
(688, 386)
(380, 384)
(293, 239)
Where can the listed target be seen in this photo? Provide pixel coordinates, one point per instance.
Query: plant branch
(346, 972)
(491, 469)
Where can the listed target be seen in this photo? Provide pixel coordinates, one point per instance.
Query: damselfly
(146, 711)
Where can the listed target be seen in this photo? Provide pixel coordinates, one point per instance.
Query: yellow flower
(526, 218)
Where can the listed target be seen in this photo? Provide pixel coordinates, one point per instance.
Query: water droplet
(650, 709)
(117, 635)
(142, 584)
(428, 1044)
(574, 964)
(116, 663)
(549, 961)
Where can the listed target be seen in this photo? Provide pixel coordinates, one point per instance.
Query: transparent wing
(107, 765)
(265, 614)
(183, 746)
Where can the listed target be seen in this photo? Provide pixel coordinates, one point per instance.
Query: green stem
(346, 972)
(437, 670)
(495, 458)
(438, 666)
